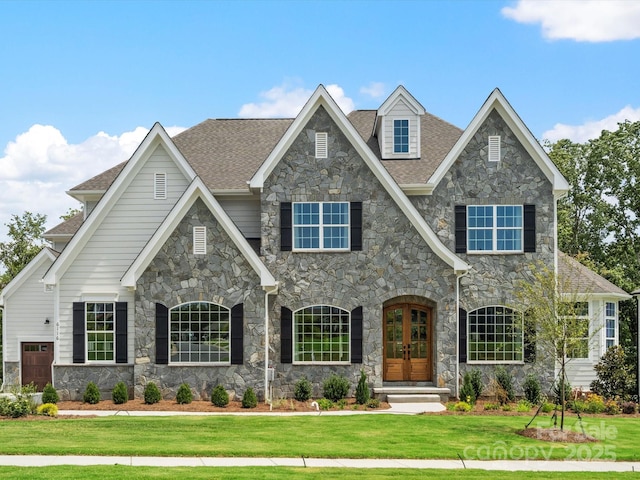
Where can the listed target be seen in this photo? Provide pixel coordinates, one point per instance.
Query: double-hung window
(576, 320)
(495, 334)
(321, 226)
(100, 318)
(400, 136)
(321, 334)
(610, 318)
(494, 228)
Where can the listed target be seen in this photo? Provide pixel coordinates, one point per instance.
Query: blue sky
(82, 82)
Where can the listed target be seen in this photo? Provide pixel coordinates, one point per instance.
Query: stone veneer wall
(222, 276)
(74, 379)
(395, 260)
(515, 180)
(12, 374)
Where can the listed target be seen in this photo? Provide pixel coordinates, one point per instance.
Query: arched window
(199, 333)
(321, 334)
(495, 335)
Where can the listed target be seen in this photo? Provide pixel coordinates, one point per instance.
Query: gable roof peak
(401, 93)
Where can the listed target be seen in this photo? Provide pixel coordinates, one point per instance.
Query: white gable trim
(196, 190)
(401, 93)
(322, 97)
(17, 281)
(156, 136)
(498, 102)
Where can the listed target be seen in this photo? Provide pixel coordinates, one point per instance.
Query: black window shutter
(462, 336)
(529, 222)
(78, 332)
(162, 334)
(237, 334)
(356, 335)
(286, 335)
(529, 343)
(121, 332)
(461, 228)
(356, 226)
(285, 227)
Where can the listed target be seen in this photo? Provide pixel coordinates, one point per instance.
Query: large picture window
(199, 333)
(495, 335)
(494, 228)
(321, 334)
(321, 226)
(100, 319)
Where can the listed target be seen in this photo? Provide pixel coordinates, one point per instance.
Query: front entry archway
(407, 343)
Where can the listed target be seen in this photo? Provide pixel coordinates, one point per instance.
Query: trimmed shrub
(462, 407)
(611, 407)
(48, 409)
(151, 393)
(120, 393)
(362, 390)
(249, 399)
(302, 390)
(219, 396)
(523, 406)
(335, 387)
(184, 394)
(476, 382)
(91, 394)
(491, 406)
(629, 408)
(325, 404)
(467, 392)
(49, 394)
(532, 389)
(547, 407)
(557, 390)
(373, 403)
(505, 380)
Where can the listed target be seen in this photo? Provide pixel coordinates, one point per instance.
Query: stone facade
(395, 260)
(222, 276)
(12, 373)
(71, 380)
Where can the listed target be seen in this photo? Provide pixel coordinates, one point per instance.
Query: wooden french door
(37, 358)
(407, 343)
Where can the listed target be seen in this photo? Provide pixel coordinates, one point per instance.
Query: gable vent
(159, 186)
(321, 145)
(199, 240)
(494, 148)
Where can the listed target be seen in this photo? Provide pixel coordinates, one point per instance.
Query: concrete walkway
(505, 465)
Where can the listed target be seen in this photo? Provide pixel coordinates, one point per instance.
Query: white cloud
(591, 129)
(40, 165)
(374, 90)
(580, 20)
(287, 101)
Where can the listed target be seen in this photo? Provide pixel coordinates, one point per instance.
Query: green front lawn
(357, 436)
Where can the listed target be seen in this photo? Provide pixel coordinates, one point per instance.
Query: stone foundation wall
(12, 375)
(71, 380)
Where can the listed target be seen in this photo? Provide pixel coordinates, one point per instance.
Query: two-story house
(251, 252)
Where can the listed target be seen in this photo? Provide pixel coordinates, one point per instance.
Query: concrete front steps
(412, 394)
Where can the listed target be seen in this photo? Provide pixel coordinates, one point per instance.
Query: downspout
(4, 373)
(637, 295)
(267, 291)
(458, 277)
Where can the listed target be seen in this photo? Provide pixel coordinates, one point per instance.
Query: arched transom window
(495, 335)
(199, 333)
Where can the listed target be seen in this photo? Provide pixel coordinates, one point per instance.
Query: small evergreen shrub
(547, 407)
(523, 406)
(342, 403)
(335, 387)
(557, 391)
(325, 404)
(462, 407)
(249, 399)
(491, 406)
(507, 407)
(467, 392)
(91, 394)
(476, 382)
(505, 380)
(151, 393)
(532, 389)
(48, 409)
(362, 390)
(120, 393)
(615, 378)
(184, 395)
(373, 403)
(219, 396)
(49, 394)
(302, 390)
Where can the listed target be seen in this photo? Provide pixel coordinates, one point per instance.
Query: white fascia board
(156, 136)
(498, 102)
(196, 190)
(391, 100)
(322, 97)
(17, 281)
(586, 296)
(85, 195)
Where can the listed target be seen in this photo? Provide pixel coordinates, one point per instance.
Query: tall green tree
(25, 242)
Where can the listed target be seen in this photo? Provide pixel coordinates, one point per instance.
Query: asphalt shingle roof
(579, 279)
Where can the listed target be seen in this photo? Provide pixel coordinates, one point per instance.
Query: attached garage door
(36, 363)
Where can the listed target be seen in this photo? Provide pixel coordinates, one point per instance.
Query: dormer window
(400, 136)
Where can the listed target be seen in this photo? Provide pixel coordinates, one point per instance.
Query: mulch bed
(556, 435)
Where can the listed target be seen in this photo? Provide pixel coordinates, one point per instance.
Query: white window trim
(393, 137)
(493, 362)
(87, 331)
(495, 229)
(494, 148)
(159, 186)
(588, 338)
(318, 362)
(322, 145)
(321, 230)
(616, 327)
(199, 240)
